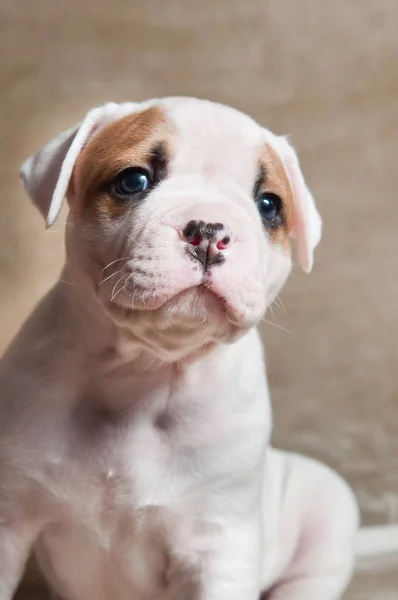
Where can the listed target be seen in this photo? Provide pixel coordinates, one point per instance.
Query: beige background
(325, 72)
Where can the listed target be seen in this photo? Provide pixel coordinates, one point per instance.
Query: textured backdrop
(324, 72)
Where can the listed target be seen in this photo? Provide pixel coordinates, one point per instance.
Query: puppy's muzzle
(207, 242)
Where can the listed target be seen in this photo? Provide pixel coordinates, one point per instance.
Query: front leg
(220, 566)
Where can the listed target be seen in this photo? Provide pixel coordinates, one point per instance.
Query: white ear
(307, 225)
(46, 175)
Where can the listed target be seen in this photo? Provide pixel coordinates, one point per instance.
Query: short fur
(134, 408)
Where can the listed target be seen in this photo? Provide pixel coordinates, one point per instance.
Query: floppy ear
(307, 223)
(46, 175)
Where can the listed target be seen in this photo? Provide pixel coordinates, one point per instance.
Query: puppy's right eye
(131, 182)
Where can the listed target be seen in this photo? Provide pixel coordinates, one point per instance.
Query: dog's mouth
(195, 299)
(188, 302)
(199, 299)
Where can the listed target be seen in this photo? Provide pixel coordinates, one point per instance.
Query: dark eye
(130, 182)
(269, 206)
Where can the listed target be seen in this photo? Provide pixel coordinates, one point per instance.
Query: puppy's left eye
(130, 182)
(270, 207)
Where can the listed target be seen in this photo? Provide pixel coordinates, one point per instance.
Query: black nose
(207, 242)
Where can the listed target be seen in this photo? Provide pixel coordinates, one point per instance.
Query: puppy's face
(180, 217)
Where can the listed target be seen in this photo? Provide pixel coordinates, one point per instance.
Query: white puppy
(134, 409)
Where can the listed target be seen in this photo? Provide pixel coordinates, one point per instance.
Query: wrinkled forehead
(214, 139)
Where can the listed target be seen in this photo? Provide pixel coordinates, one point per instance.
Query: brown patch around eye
(273, 178)
(141, 140)
(106, 207)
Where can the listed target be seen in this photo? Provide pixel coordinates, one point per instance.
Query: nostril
(222, 244)
(193, 233)
(195, 241)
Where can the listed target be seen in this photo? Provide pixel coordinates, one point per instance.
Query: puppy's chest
(119, 467)
(129, 461)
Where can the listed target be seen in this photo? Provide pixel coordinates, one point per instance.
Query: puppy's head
(181, 215)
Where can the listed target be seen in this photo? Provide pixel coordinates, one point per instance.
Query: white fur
(135, 424)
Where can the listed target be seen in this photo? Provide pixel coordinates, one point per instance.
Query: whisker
(168, 319)
(116, 293)
(280, 305)
(149, 365)
(109, 276)
(125, 283)
(145, 297)
(272, 313)
(132, 239)
(159, 365)
(133, 298)
(67, 282)
(115, 286)
(276, 325)
(114, 261)
(293, 273)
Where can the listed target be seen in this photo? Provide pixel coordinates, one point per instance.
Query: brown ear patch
(275, 180)
(132, 141)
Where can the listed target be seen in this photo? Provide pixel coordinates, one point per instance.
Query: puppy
(134, 409)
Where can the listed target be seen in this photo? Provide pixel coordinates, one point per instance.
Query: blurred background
(324, 72)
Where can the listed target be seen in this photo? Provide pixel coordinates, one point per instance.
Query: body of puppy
(134, 409)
